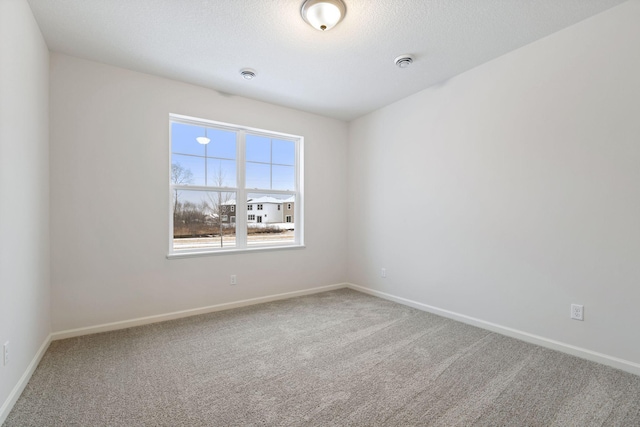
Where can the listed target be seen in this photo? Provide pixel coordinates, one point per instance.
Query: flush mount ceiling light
(204, 140)
(247, 73)
(323, 14)
(403, 61)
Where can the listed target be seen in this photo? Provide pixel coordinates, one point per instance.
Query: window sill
(194, 254)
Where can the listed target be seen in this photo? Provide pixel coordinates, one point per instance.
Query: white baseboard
(186, 313)
(22, 383)
(583, 353)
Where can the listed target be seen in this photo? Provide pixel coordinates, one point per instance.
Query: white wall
(110, 199)
(512, 190)
(24, 191)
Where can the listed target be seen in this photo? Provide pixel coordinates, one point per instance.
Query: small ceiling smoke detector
(247, 73)
(403, 61)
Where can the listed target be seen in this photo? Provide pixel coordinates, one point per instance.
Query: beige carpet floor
(331, 359)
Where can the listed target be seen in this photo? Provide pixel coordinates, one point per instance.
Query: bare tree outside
(179, 176)
(216, 202)
(206, 218)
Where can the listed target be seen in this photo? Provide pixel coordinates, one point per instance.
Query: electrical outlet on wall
(234, 280)
(577, 312)
(383, 273)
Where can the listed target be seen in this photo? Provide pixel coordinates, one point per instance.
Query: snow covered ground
(279, 225)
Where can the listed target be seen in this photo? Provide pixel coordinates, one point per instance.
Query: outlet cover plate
(577, 312)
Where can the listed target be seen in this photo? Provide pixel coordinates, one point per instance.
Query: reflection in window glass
(183, 137)
(205, 165)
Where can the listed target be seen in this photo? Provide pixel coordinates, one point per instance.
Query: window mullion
(241, 195)
(298, 209)
(205, 165)
(202, 188)
(171, 192)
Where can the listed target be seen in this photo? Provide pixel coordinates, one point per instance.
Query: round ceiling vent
(403, 61)
(247, 73)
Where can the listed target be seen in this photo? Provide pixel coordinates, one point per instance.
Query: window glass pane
(283, 178)
(187, 170)
(258, 149)
(204, 212)
(183, 139)
(221, 173)
(258, 176)
(203, 220)
(284, 152)
(223, 144)
(269, 225)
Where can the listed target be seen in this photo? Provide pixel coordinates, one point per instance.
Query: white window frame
(241, 191)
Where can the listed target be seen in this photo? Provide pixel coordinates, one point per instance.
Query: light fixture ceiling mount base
(323, 14)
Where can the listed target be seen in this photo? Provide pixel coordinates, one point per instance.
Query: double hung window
(218, 173)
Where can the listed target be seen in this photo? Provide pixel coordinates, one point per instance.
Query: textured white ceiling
(342, 73)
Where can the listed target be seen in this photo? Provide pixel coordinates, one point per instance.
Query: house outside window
(208, 179)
